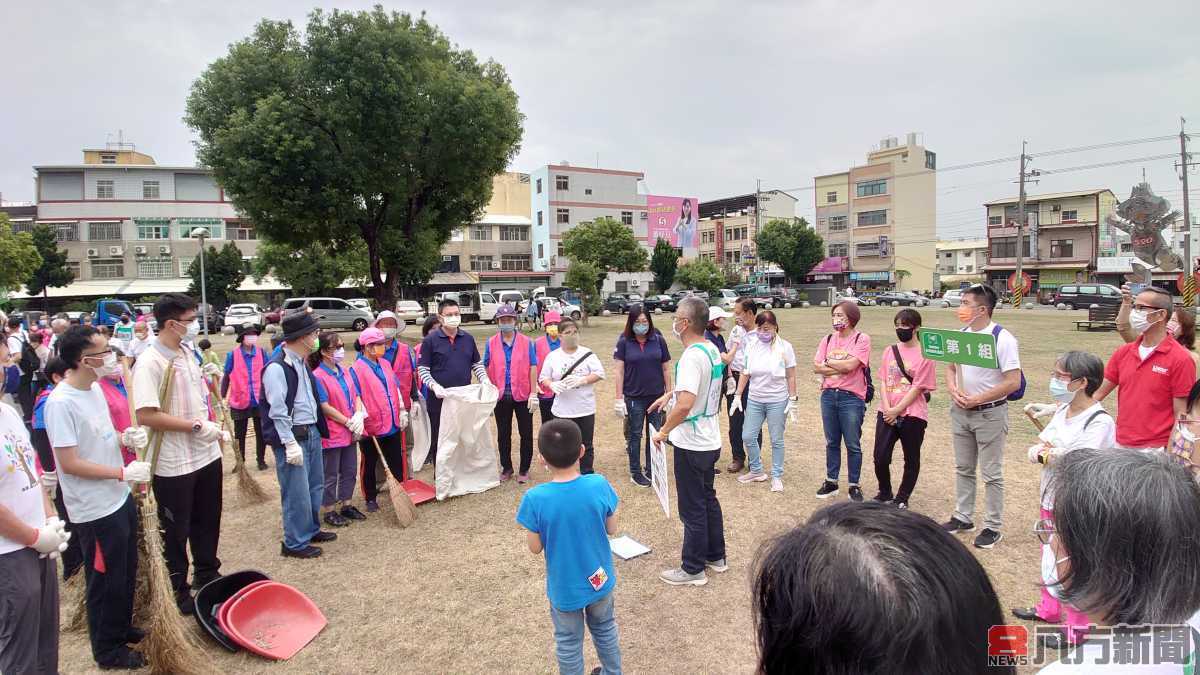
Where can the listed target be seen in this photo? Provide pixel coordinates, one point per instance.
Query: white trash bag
(467, 460)
(418, 426)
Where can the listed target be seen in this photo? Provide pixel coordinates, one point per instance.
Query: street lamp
(202, 233)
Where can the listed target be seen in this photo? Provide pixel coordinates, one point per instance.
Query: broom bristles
(406, 513)
(252, 491)
(169, 646)
(78, 620)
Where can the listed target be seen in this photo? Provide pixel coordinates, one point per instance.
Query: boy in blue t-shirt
(570, 518)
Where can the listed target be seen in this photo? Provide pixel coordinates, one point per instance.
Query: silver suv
(331, 312)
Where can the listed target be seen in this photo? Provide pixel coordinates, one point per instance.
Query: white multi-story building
(961, 261)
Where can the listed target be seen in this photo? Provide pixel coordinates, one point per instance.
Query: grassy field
(458, 592)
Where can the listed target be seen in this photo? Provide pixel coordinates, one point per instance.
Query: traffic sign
(961, 347)
(1012, 282)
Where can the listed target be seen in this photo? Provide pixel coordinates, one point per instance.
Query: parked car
(244, 315)
(108, 311)
(331, 312)
(952, 298)
(663, 302)
(901, 298)
(273, 315)
(567, 309)
(616, 303)
(410, 310)
(515, 298)
(679, 295)
(726, 299)
(209, 313)
(473, 305)
(1085, 295)
(361, 303)
(840, 297)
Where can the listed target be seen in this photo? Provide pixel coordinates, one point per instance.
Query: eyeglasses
(1044, 530)
(1146, 308)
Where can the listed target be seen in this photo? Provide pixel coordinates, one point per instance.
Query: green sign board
(956, 346)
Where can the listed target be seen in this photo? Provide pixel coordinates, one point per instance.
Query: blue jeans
(772, 413)
(568, 637)
(842, 414)
(635, 426)
(300, 490)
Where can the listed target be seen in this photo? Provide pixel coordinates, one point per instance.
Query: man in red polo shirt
(1154, 373)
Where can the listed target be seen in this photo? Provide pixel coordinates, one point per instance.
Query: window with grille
(66, 231)
(74, 266)
(871, 188)
(839, 250)
(242, 232)
(104, 189)
(104, 232)
(150, 189)
(563, 216)
(627, 217)
(559, 250)
(514, 233)
(108, 269)
(866, 249)
(481, 232)
(184, 265)
(22, 225)
(995, 220)
(867, 218)
(1070, 216)
(515, 262)
(153, 231)
(562, 182)
(481, 263)
(156, 268)
(540, 223)
(837, 223)
(1062, 248)
(108, 158)
(830, 197)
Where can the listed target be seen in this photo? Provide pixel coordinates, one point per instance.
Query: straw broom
(406, 513)
(169, 646)
(252, 492)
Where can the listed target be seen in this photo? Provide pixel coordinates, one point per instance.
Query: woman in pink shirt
(843, 360)
(908, 377)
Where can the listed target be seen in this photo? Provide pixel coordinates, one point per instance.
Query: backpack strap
(900, 363)
(575, 365)
(1092, 417)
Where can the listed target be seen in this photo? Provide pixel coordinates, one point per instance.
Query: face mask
(191, 330)
(966, 314)
(839, 324)
(107, 368)
(390, 332)
(508, 328)
(1050, 572)
(1173, 327)
(640, 329)
(552, 331)
(316, 344)
(451, 321)
(570, 341)
(765, 337)
(339, 354)
(250, 340)
(905, 334)
(1139, 321)
(1185, 432)
(1059, 390)
(676, 332)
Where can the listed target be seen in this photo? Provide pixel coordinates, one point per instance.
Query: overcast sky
(703, 96)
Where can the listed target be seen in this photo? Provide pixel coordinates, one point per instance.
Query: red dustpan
(273, 620)
(418, 490)
(223, 611)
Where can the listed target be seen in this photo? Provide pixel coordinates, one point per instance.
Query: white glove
(210, 432)
(619, 408)
(135, 438)
(136, 472)
(51, 539)
(226, 437)
(50, 482)
(1033, 452)
(730, 386)
(790, 411)
(355, 424)
(405, 418)
(1040, 410)
(533, 404)
(558, 387)
(293, 453)
(211, 370)
(438, 390)
(737, 406)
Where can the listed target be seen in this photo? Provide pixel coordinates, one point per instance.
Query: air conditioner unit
(644, 216)
(164, 250)
(93, 253)
(116, 251)
(635, 284)
(139, 250)
(495, 264)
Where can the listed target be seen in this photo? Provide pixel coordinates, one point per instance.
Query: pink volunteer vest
(118, 411)
(339, 436)
(240, 382)
(402, 367)
(374, 399)
(520, 366)
(542, 347)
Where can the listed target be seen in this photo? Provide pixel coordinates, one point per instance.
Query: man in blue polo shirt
(448, 358)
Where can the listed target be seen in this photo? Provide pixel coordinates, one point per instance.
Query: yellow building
(879, 218)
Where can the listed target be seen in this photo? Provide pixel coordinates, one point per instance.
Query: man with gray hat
(293, 425)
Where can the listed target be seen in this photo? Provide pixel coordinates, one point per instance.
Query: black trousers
(735, 425)
(393, 452)
(911, 433)
(189, 512)
(587, 429)
(703, 525)
(72, 558)
(25, 398)
(545, 404)
(110, 592)
(505, 409)
(433, 406)
(239, 430)
(28, 613)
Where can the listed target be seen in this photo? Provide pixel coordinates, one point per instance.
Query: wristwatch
(197, 425)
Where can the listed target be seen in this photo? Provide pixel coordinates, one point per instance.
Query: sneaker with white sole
(678, 577)
(988, 538)
(828, 489)
(717, 565)
(776, 485)
(752, 477)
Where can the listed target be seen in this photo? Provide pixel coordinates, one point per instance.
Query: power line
(1101, 146)
(1085, 167)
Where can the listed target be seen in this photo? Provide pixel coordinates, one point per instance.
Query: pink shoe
(752, 477)
(505, 475)
(523, 478)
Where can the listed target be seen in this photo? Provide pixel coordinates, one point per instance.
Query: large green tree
(19, 254)
(370, 125)
(792, 245)
(585, 278)
(316, 269)
(606, 244)
(224, 272)
(663, 263)
(53, 272)
(701, 275)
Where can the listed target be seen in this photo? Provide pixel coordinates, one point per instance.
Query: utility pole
(758, 223)
(1189, 282)
(1018, 284)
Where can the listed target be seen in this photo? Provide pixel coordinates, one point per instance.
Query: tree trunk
(378, 289)
(45, 300)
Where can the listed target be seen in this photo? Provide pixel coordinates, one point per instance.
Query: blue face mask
(640, 329)
(1060, 392)
(507, 328)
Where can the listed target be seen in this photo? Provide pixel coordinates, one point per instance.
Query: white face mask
(390, 332)
(1139, 321)
(339, 354)
(191, 331)
(1050, 572)
(107, 368)
(451, 321)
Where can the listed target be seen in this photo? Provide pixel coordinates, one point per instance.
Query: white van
(473, 306)
(514, 298)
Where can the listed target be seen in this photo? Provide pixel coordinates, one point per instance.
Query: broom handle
(163, 393)
(1036, 422)
(127, 382)
(382, 459)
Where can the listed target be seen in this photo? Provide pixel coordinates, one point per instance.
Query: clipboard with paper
(658, 473)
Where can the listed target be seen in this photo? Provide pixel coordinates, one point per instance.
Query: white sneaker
(717, 565)
(752, 477)
(776, 485)
(677, 577)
